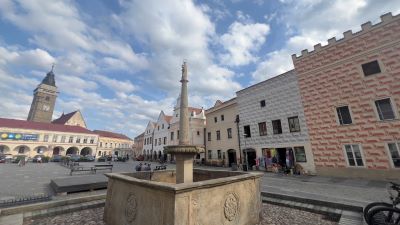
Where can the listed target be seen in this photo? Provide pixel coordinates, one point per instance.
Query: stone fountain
(186, 196)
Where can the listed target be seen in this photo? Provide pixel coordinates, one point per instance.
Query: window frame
(208, 136)
(273, 128)
(379, 65)
(397, 143)
(264, 133)
(245, 133)
(229, 133)
(262, 103)
(222, 117)
(218, 133)
(295, 154)
(290, 128)
(361, 152)
(337, 116)
(393, 106)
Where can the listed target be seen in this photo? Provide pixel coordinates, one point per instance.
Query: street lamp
(245, 152)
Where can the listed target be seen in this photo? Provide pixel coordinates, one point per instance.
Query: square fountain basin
(153, 198)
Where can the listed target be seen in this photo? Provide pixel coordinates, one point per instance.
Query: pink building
(350, 90)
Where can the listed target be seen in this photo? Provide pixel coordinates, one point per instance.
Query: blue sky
(119, 61)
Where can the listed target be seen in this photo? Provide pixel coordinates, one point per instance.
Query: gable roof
(64, 118)
(168, 119)
(23, 124)
(103, 133)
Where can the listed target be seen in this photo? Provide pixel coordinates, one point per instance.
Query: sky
(119, 62)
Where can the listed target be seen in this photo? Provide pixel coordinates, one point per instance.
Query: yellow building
(20, 137)
(222, 144)
(113, 144)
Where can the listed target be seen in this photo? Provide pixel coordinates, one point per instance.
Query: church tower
(44, 100)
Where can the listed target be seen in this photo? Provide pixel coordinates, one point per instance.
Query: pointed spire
(49, 79)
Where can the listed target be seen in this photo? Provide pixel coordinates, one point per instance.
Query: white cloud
(118, 86)
(174, 31)
(310, 22)
(242, 41)
(35, 58)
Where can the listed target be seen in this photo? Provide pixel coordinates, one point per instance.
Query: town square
(199, 112)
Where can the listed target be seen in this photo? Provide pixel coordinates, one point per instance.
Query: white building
(272, 125)
(161, 132)
(148, 140)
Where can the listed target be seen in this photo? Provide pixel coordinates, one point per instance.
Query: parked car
(37, 157)
(75, 158)
(56, 158)
(88, 158)
(2, 159)
(102, 159)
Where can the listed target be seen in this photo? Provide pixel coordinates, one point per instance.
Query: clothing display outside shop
(278, 159)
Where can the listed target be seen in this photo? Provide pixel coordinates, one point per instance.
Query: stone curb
(335, 205)
(51, 204)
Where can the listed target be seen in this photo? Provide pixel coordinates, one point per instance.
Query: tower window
(47, 98)
(371, 68)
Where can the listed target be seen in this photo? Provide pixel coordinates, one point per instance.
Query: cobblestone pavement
(279, 215)
(272, 215)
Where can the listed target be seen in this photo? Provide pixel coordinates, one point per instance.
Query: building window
(262, 103)
(344, 115)
(162, 126)
(46, 138)
(172, 136)
(371, 68)
(294, 124)
(165, 140)
(229, 131)
(209, 154)
(218, 135)
(55, 138)
(219, 154)
(159, 141)
(277, 126)
(394, 149)
(155, 142)
(78, 140)
(21, 150)
(99, 153)
(300, 154)
(151, 140)
(247, 132)
(47, 98)
(262, 128)
(91, 141)
(215, 119)
(209, 136)
(158, 127)
(198, 133)
(384, 109)
(101, 144)
(354, 156)
(222, 117)
(177, 135)
(85, 140)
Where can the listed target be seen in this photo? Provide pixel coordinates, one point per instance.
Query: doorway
(231, 157)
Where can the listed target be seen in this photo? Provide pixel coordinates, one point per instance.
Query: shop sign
(18, 136)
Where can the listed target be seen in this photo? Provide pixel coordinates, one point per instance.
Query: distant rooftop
(103, 133)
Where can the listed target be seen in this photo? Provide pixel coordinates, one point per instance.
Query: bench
(102, 167)
(161, 167)
(80, 168)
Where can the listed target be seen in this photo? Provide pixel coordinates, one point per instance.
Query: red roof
(64, 118)
(23, 124)
(109, 134)
(197, 110)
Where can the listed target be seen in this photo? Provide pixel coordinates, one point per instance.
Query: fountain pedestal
(184, 161)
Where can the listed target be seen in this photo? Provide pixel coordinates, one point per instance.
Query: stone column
(184, 118)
